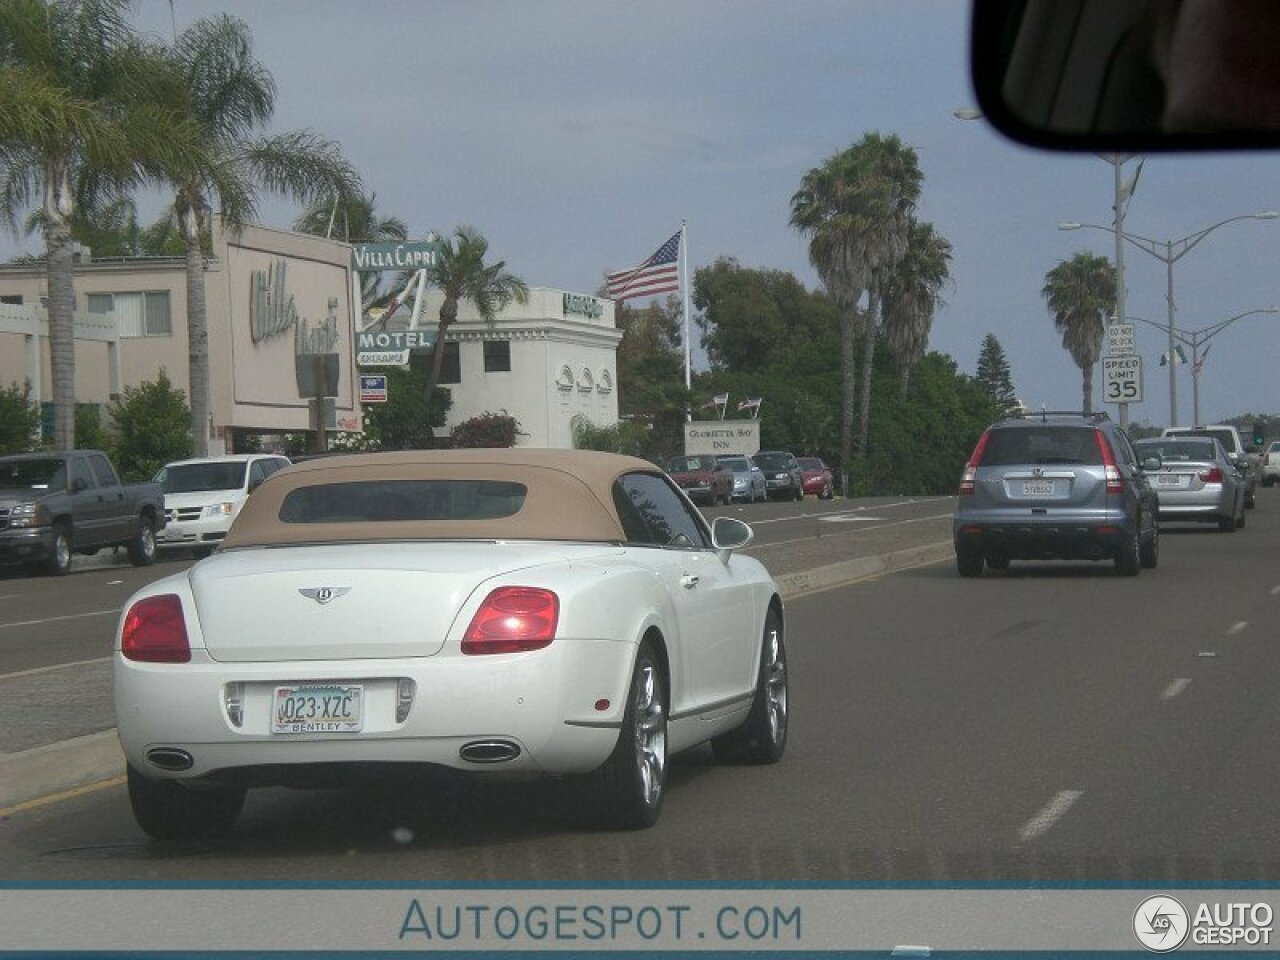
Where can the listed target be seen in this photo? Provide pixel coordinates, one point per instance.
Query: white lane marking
(10, 596)
(1236, 627)
(851, 512)
(892, 523)
(71, 616)
(1050, 813)
(34, 671)
(846, 519)
(1206, 654)
(1175, 688)
(1275, 591)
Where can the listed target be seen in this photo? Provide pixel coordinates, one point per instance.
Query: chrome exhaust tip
(489, 751)
(170, 758)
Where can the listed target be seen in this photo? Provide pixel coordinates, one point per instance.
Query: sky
(577, 135)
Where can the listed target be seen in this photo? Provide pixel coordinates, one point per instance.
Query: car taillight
(971, 468)
(1115, 482)
(1212, 475)
(155, 631)
(513, 619)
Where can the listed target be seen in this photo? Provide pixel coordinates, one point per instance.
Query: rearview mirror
(1129, 75)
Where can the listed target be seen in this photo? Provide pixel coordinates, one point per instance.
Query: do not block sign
(373, 388)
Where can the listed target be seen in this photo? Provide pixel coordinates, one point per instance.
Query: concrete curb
(50, 769)
(59, 766)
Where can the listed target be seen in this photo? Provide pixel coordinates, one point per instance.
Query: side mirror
(730, 533)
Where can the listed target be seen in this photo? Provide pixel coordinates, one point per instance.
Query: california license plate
(1169, 480)
(1037, 488)
(319, 708)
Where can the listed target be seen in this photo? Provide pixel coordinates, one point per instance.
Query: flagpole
(684, 256)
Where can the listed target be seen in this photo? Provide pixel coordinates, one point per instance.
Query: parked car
(1196, 480)
(748, 480)
(1271, 464)
(815, 478)
(781, 474)
(202, 496)
(504, 612)
(53, 505)
(1055, 486)
(701, 478)
(1241, 455)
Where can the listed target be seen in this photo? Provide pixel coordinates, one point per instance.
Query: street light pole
(1170, 252)
(1195, 339)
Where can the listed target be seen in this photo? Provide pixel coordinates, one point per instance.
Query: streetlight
(1195, 339)
(1170, 252)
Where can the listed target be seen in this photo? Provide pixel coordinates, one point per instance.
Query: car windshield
(203, 477)
(811, 463)
(691, 464)
(772, 461)
(1041, 445)
(1177, 450)
(50, 474)
(736, 464)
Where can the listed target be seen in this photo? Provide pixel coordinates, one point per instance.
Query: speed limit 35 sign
(1122, 379)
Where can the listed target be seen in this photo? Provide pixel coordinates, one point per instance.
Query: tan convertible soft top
(569, 496)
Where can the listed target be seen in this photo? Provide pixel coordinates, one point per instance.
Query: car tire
(968, 562)
(1240, 521)
(1129, 558)
(142, 548)
(799, 493)
(632, 782)
(997, 561)
(168, 810)
(763, 737)
(1228, 524)
(1149, 555)
(826, 493)
(58, 562)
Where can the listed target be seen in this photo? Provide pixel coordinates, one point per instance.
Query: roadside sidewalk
(57, 724)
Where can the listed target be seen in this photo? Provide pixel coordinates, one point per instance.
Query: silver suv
(1050, 486)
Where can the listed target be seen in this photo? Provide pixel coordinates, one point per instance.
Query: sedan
(503, 612)
(1196, 480)
(781, 474)
(748, 480)
(816, 478)
(1271, 464)
(702, 479)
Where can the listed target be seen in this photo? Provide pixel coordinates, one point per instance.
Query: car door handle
(689, 581)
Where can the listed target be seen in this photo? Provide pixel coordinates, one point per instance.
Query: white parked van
(203, 496)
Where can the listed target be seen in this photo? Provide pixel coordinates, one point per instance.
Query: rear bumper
(1042, 541)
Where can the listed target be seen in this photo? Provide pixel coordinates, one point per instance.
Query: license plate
(320, 708)
(1037, 488)
(1169, 480)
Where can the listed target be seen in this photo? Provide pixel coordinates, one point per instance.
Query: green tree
(19, 419)
(651, 390)
(857, 210)
(228, 96)
(80, 124)
(913, 294)
(486, 430)
(994, 375)
(152, 427)
(1081, 294)
(353, 219)
(460, 273)
(406, 420)
(626, 436)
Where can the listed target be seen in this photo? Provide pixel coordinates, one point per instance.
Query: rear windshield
(1041, 445)
(202, 477)
(1177, 451)
(1224, 437)
(394, 501)
(690, 464)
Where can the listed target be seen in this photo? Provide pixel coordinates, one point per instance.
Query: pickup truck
(1245, 458)
(59, 503)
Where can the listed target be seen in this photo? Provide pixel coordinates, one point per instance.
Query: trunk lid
(349, 601)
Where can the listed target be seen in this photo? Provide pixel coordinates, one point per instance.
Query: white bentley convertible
(522, 611)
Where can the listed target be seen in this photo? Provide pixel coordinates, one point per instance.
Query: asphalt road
(1054, 722)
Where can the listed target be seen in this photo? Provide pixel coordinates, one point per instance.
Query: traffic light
(1259, 432)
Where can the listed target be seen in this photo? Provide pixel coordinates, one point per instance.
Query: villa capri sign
(408, 255)
(583, 305)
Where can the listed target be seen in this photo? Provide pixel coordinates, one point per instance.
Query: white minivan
(203, 496)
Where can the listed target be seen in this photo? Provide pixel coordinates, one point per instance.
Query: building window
(497, 356)
(14, 299)
(450, 365)
(137, 314)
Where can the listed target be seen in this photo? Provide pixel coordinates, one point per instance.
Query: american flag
(659, 274)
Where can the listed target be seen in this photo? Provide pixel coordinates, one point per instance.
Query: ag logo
(1161, 924)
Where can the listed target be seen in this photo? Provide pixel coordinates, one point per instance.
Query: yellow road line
(62, 795)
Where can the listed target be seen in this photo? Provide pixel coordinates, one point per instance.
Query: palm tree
(1081, 294)
(80, 126)
(228, 95)
(857, 210)
(912, 296)
(460, 273)
(353, 219)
